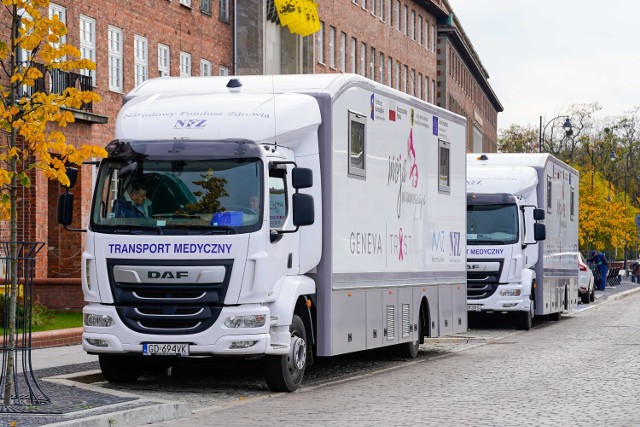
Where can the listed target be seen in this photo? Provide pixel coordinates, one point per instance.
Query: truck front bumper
(217, 340)
(506, 298)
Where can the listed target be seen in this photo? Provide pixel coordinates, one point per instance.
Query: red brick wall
(59, 294)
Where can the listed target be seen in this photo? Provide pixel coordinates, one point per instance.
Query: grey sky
(545, 55)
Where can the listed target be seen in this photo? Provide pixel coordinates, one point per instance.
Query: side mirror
(301, 178)
(72, 174)
(539, 232)
(538, 214)
(65, 208)
(303, 209)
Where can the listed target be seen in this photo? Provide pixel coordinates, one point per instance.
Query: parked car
(586, 288)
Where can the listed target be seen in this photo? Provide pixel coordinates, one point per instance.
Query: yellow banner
(301, 16)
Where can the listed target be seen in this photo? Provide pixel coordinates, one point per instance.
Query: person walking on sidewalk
(601, 261)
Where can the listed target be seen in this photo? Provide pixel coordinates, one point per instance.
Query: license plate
(474, 307)
(165, 349)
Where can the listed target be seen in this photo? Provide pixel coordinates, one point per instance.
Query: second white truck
(522, 235)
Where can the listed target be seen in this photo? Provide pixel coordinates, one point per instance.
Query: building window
(61, 13)
(354, 47)
(419, 82)
(185, 3)
(405, 18)
(433, 91)
(224, 71)
(383, 10)
(164, 61)
(372, 64)
(426, 89)
(372, 7)
(205, 7)
(434, 36)
(332, 47)
(419, 29)
(427, 35)
(381, 67)
(412, 84)
(88, 44)
(343, 52)
(412, 25)
(185, 64)
(389, 71)
(397, 15)
(205, 68)
(140, 59)
(397, 81)
(363, 58)
(115, 59)
(320, 47)
(357, 144)
(224, 10)
(444, 181)
(405, 71)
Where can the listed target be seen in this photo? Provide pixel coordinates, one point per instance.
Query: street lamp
(567, 126)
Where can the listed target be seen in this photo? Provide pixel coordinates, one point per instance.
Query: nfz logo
(167, 274)
(190, 124)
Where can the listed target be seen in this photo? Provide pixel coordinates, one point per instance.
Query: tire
(411, 349)
(586, 297)
(120, 368)
(526, 317)
(592, 295)
(285, 373)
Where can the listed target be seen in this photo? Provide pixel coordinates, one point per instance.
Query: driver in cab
(133, 203)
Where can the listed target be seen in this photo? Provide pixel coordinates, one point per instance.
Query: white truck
(357, 240)
(522, 235)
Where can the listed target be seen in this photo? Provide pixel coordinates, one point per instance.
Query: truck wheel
(592, 295)
(410, 350)
(526, 317)
(120, 368)
(284, 373)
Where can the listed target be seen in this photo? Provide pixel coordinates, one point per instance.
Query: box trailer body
(382, 262)
(508, 269)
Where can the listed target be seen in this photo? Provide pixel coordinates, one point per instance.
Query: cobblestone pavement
(580, 371)
(371, 388)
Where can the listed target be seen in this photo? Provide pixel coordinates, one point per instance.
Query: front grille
(482, 284)
(169, 306)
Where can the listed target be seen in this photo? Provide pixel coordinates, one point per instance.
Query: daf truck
(522, 235)
(353, 239)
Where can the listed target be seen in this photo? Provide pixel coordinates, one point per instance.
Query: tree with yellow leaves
(30, 122)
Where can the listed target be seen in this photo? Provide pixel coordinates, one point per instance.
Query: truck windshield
(178, 197)
(492, 224)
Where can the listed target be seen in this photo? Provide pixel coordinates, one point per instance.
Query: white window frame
(419, 84)
(363, 59)
(320, 44)
(390, 72)
(343, 52)
(405, 18)
(115, 39)
(185, 64)
(381, 67)
(412, 82)
(412, 25)
(164, 60)
(206, 68)
(186, 3)
(397, 17)
(419, 30)
(205, 7)
(140, 59)
(354, 49)
(397, 82)
(224, 71)
(55, 9)
(332, 47)
(88, 44)
(372, 63)
(405, 72)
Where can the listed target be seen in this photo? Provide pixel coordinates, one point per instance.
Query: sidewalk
(80, 398)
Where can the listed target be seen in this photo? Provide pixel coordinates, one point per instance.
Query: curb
(54, 338)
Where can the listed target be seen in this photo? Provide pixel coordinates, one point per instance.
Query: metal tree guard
(24, 387)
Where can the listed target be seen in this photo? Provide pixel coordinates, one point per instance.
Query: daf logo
(473, 266)
(167, 274)
(190, 124)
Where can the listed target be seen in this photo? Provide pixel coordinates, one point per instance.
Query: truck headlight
(511, 292)
(254, 321)
(97, 320)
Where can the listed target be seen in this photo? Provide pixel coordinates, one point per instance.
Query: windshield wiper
(140, 229)
(219, 229)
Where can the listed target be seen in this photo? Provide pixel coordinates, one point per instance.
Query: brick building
(416, 46)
